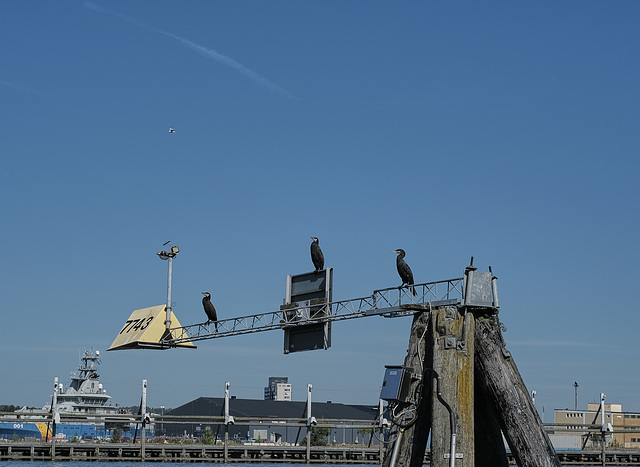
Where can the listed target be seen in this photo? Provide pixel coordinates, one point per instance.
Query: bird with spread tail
(209, 309)
(316, 255)
(404, 270)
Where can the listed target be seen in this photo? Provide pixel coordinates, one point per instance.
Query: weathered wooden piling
(411, 437)
(499, 379)
(453, 343)
(461, 347)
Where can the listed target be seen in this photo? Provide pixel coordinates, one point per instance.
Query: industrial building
(268, 410)
(626, 425)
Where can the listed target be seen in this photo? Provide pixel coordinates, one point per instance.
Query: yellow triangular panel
(145, 328)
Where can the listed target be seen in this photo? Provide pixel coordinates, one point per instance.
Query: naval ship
(84, 396)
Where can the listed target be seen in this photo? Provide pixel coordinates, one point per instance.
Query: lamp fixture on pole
(168, 256)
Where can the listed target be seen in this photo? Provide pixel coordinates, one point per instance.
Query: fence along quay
(195, 453)
(227, 451)
(157, 450)
(189, 453)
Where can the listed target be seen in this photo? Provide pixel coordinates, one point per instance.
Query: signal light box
(396, 383)
(304, 307)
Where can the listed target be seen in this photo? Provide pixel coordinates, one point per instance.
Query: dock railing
(195, 447)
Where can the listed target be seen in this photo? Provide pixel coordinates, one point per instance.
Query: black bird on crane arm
(316, 255)
(404, 270)
(209, 309)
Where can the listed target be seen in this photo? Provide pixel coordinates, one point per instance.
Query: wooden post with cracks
(410, 425)
(453, 343)
(479, 381)
(499, 380)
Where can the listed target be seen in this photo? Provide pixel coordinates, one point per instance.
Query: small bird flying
(209, 309)
(171, 130)
(316, 255)
(404, 270)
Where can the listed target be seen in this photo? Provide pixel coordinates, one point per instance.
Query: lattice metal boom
(391, 302)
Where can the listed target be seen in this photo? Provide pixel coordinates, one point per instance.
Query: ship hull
(22, 430)
(39, 430)
(65, 431)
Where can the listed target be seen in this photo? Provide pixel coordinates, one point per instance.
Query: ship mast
(87, 369)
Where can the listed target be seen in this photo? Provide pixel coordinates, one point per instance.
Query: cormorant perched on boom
(209, 309)
(316, 255)
(404, 270)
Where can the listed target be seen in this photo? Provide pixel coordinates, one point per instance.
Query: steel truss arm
(391, 302)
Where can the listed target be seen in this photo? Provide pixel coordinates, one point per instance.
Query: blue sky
(506, 131)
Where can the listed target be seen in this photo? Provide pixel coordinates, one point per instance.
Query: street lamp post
(168, 256)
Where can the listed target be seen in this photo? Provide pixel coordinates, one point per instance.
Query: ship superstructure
(84, 396)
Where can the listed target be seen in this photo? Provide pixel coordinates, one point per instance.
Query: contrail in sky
(14, 86)
(19, 87)
(210, 53)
